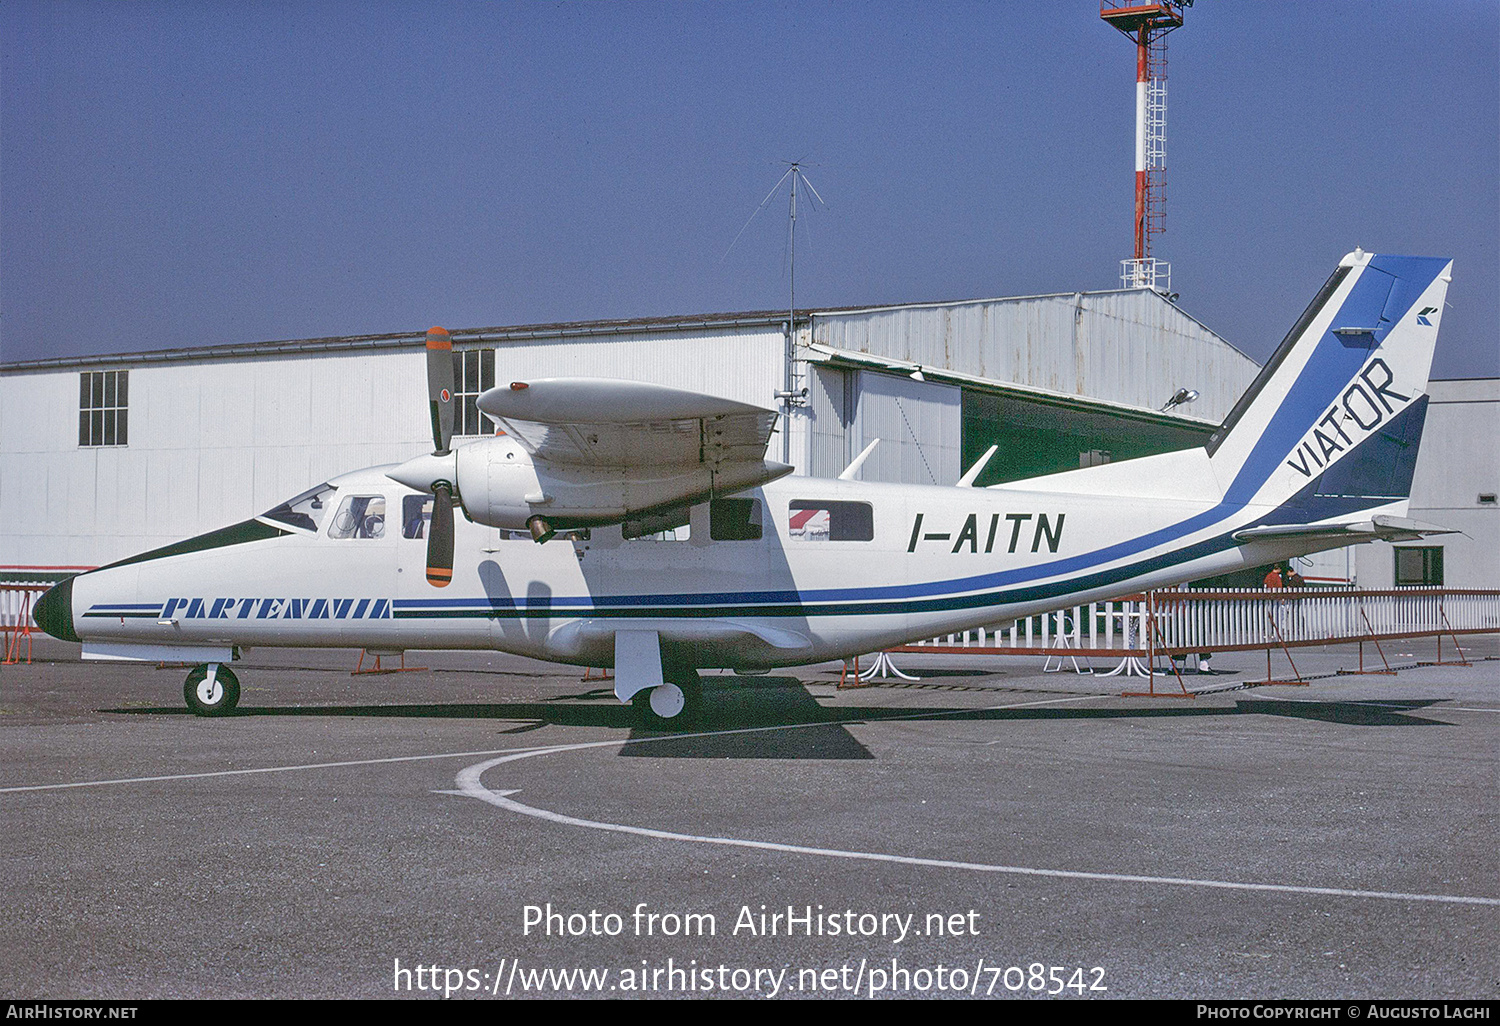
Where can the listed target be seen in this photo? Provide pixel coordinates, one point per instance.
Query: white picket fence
(1117, 627)
(1185, 621)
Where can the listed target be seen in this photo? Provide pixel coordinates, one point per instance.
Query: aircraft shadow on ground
(738, 712)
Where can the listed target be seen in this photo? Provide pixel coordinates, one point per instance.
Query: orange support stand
(1387, 672)
(588, 673)
(1462, 661)
(377, 668)
(1299, 682)
(1153, 635)
(845, 673)
(22, 629)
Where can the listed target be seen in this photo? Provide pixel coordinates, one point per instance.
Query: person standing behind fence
(1295, 580)
(1278, 580)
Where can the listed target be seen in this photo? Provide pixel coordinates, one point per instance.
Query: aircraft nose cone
(53, 612)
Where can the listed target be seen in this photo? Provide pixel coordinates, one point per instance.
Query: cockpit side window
(306, 511)
(359, 516)
(828, 520)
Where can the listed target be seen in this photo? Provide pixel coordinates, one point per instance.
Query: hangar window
(1419, 564)
(473, 374)
(825, 520)
(103, 407)
(304, 512)
(359, 516)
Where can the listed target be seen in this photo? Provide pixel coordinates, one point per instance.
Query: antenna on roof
(790, 395)
(798, 177)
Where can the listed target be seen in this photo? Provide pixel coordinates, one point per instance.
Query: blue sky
(181, 174)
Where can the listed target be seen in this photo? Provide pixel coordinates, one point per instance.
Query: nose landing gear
(211, 689)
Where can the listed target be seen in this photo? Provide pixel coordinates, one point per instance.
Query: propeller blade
(440, 537)
(440, 388)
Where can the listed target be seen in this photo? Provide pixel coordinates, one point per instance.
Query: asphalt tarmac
(491, 827)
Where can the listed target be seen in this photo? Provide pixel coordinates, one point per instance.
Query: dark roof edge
(407, 339)
(518, 333)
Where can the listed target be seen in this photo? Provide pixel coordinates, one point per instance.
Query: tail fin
(1332, 422)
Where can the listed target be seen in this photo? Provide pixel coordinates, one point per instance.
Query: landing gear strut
(211, 689)
(675, 704)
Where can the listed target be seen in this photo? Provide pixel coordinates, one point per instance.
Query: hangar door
(919, 424)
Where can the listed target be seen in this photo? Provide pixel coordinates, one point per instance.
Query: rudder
(1338, 408)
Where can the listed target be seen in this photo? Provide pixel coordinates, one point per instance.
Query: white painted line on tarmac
(265, 769)
(470, 785)
(532, 749)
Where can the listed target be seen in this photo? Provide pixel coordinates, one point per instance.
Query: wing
(599, 422)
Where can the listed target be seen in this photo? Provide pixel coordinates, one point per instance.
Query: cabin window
(305, 512)
(359, 516)
(673, 534)
(104, 407)
(734, 520)
(1419, 564)
(825, 520)
(473, 375)
(416, 514)
(668, 525)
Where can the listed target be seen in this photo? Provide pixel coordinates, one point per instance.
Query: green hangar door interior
(1045, 437)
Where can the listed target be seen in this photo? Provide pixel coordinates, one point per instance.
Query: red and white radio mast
(1147, 24)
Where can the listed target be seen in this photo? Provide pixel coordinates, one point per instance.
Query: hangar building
(109, 455)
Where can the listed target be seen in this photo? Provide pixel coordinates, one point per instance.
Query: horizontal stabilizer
(1377, 528)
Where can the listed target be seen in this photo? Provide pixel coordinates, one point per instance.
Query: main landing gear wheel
(674, 705)
(211, 694)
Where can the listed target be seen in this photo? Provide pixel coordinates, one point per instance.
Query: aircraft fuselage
(839, 568)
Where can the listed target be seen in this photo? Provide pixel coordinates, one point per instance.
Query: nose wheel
(674, 705)
(211, 689)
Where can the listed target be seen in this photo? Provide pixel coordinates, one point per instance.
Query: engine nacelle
(501, 485)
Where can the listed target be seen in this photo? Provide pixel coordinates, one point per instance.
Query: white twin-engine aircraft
(562, 553)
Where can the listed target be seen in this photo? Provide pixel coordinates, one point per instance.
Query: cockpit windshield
(305, 512)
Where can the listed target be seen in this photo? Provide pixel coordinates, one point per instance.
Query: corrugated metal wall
(1459, 461)
(743, 365)
(1130, 346)
(825, 423)
(919, 425)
